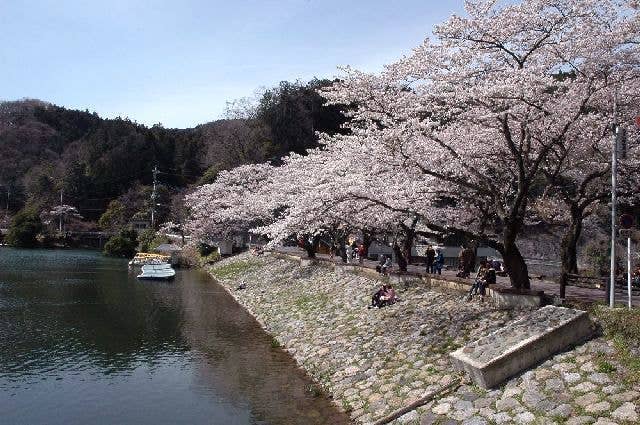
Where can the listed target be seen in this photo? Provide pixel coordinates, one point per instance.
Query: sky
(178, 62)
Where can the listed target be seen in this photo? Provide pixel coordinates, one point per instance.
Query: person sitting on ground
(386, 266)
(389, 297)
(386, 295)
(375, 299)
(479, 280)
(489, 279)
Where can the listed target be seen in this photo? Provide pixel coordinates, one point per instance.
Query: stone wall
(374, 361)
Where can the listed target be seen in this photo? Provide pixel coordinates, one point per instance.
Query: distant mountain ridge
(46, 149)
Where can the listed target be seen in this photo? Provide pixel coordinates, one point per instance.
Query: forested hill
(46, 149)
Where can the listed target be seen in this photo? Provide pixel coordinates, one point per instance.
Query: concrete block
(508, 299)
(456, 285)
(522, 344)
(405, 279)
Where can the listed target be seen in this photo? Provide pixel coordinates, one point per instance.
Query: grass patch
(604, 366)
(559, 419)
(207, 260)
(314, 390)
(308, 302)
(275, 343)
(233, 270)
(622, 327)
(620, 322)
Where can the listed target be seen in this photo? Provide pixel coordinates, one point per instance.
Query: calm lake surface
(83, 342)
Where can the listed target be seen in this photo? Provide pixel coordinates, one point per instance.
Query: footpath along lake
(82, 341)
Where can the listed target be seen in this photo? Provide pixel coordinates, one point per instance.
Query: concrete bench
(522, 344)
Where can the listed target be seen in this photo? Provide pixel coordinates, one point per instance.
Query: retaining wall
(502, 297)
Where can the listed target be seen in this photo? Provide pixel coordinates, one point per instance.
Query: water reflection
(83, 341)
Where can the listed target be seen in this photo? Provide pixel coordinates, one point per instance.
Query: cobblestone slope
(373, 361)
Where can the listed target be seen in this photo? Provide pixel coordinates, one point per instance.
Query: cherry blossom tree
(61, 213)
(230, 204)
(481, 110)
(579, 181)
(462, 136)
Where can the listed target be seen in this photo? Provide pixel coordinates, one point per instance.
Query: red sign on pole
(637, 120)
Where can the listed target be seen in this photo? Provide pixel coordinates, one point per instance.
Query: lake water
(83, 342)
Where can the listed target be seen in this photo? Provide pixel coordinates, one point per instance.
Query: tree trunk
(404, 252)
(569, 249)
(407, 244)
(513, 261)
(341, 241)
(367, 239)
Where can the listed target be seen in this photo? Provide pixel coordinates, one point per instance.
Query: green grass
(604, 366)
(314, 390)
(233, 270)
(622, 327)
(346, 406)
(212, 258)
(308, 302)
(275, 343)
(559, 420)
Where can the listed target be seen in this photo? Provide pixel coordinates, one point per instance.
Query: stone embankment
(374, 361)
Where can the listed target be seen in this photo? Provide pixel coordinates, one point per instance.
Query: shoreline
(373, 362)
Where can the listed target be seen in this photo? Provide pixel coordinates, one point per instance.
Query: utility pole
(154, 196)
(629, 271)
(61, 213)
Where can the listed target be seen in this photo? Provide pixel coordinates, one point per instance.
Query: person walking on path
(349, 253)
(438, 261)
(362, 252)
(431, 254)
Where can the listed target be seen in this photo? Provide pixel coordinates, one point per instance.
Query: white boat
(162, 271)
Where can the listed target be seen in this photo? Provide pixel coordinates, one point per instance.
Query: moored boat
(162, 271)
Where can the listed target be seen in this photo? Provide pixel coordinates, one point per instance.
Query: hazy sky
(178, 62)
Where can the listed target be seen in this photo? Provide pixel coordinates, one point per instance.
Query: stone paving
(374, 361)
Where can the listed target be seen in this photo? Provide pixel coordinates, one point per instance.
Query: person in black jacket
(486, 276)
(431, 255)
